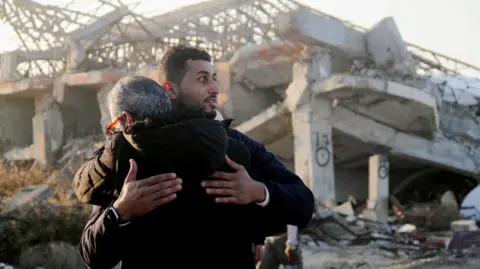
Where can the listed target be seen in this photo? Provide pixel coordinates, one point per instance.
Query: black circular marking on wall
(322, 156)
(383, 171)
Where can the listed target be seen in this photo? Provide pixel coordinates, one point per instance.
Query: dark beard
(183, 102)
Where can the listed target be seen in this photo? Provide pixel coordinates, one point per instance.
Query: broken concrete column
(313, 157)
(48, 129)
(378, 184)
(15, 117)
(387, 48)
(80, 110)
(102, 99)
(313, 149)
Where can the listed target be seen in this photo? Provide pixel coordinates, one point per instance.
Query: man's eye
(202, 79)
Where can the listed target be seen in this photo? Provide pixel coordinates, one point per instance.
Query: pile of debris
(415, 236)
(45, 214)
(73, 154)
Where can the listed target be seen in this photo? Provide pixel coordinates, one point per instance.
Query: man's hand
(258, 253)
(290, 252)
(236, 188)
(140, 197)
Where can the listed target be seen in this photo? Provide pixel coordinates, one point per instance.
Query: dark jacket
(103, 243)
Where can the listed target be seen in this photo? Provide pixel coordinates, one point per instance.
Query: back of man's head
(138, 96)
(174, 63)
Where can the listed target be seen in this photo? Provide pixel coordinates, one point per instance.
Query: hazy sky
(447, 26)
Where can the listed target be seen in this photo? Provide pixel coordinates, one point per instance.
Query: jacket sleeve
(291, 202)
(94, 181)
(102, 240)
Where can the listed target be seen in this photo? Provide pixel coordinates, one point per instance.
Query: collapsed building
(352, 111)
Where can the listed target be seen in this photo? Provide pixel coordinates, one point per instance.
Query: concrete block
(8, 67)
(265, 65)
(315, 29)
(463, 226)
(298, 90)
(387, 48)
(305, 73)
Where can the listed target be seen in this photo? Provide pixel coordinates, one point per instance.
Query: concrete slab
(387, 48)
(97, 77)
(306, 26)
(266, 65)
(27, 88)
(440, 152)
(273, 124)
(397, 105)
(269, 126)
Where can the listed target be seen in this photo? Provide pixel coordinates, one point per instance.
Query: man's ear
(127, 119)
(172, 90)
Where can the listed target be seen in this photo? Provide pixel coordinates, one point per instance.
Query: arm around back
(291, 202)
(102, 240)
(94, 182)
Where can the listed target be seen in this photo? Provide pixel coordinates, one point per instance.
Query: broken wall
(16, 122)
(80, 110)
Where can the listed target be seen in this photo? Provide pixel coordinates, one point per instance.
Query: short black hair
(174, 62)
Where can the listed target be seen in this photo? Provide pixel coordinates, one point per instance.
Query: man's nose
(214, 88)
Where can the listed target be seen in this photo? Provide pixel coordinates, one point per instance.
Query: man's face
(199, 86)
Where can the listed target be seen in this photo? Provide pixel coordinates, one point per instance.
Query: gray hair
(139, 96)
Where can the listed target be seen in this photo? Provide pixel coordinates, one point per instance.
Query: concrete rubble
(345, 237)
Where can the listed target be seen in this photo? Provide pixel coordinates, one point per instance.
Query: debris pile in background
(415, 236)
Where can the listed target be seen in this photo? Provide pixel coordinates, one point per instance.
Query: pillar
(378, 185)
(48, 130)
(313, 149)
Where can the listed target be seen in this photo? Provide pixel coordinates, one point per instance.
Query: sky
(446, 26)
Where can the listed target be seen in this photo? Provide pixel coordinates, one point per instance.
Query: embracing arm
(94, 181)
(102, 240)
(291, 202)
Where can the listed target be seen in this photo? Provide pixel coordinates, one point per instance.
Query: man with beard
(191, 81)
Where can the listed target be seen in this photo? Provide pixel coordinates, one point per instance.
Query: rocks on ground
(41, 223)
(417, 236)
